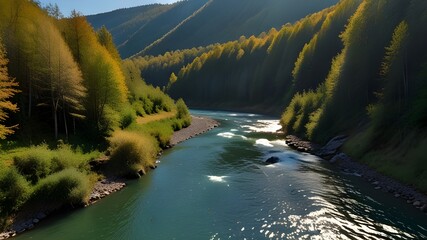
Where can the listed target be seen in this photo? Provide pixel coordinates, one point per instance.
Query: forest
(357, 68)
(68, 99)
(156, 29)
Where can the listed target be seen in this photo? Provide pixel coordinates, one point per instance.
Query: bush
(14, 191)
(131, 153)
(68, 186)
(128, 116)
(162, 131)
(182, 109)
(65, 157)
(34, 163)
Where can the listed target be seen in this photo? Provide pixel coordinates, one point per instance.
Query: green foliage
(144, 98)
(37, 162)
(106, 40)
(131, 153)
(64, 157)
(161, 131)
(68, 186)
(182, 110)
(252, 72)
(128, 116)
(34, 163)
(14, 192)
(303, 113)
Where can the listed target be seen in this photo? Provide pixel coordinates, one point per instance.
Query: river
(216, 186)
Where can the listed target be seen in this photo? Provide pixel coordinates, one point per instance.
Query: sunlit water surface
(216, 186)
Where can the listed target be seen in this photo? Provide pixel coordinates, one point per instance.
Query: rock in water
(272, 160)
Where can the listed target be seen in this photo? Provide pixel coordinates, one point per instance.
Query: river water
(216, 186)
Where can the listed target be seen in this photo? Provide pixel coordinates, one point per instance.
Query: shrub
(138, 108)
(14, 191)
(182, 109)
(68, 186)
(128, 116)
(65, 157)
(162, 131)
(131, 153)
(34, 163)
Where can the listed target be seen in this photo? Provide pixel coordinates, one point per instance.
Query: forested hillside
(136, 28)
(157, 29)
(358, 68)
(66, 97)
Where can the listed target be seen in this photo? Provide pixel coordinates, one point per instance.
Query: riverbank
(331, 153)
(199, 125)
(105, 187)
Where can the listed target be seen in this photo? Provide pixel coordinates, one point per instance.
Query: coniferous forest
(83, 98)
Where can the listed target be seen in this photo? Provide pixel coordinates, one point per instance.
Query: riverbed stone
(41, 215)
(272, 160)
(417, 204)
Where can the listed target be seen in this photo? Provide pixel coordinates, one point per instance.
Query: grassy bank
(53, 176)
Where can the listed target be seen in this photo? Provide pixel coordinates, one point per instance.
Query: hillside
(234, 18)
(134, 29)
(358, 68)
(187, 24)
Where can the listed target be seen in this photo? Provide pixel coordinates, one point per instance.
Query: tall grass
(131, 153)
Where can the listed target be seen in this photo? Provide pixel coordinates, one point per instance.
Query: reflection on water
(217, 186)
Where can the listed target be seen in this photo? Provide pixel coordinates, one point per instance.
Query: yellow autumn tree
(102, 73)
(8, 87)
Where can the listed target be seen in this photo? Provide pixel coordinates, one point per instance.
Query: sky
(88, 7)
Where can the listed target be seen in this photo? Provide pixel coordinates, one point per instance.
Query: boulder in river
(272, 160)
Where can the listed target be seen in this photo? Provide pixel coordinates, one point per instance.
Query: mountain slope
(358, 69)
(158, 28)
(225, 20)
(135, 28)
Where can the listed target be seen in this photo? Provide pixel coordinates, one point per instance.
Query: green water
(216, 186)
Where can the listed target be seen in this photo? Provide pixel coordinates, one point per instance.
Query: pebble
(416, 204)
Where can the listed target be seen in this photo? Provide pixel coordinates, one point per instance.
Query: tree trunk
(55, 117)
(65, 122)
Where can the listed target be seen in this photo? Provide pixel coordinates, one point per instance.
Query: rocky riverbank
(331, 153)
(105, 187)
(27, 220)
(199, 125)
